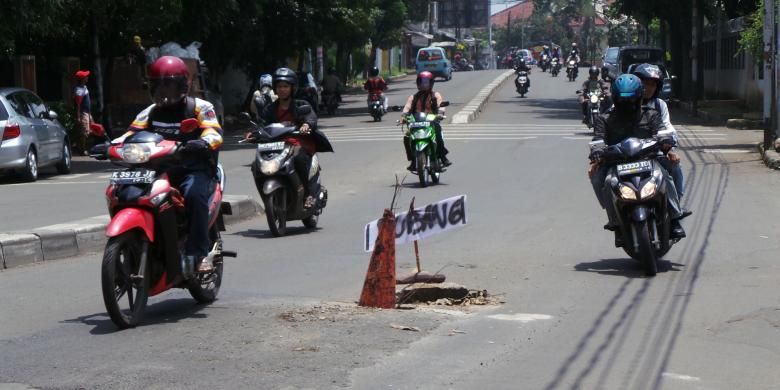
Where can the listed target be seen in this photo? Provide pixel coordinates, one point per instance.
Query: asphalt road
(577, 314)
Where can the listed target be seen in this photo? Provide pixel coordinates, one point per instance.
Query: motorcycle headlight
(648, 189)
(136, 153)
(269, 167)
(571, 63)
(421, 133)
(594, 98)
(627, 193)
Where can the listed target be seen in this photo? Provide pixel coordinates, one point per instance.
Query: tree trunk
(98, 96)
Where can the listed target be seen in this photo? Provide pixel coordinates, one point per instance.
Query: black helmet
(604, 71)
(650, 72)
(374, 72)
(593, 71)
(288, 76)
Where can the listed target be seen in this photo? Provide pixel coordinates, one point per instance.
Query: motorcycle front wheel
(124, 295)
(422, 168)
(276, 212)
(205, 287)
(646, 253)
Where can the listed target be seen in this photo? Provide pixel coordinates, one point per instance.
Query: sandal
(205, 266)
(309, 202)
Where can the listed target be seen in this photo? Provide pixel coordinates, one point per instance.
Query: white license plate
(419, 124)
(522, 79)
(132, 177)
(635, 167)
(270, 146)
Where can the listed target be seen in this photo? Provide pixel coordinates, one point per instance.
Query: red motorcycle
(148, 228)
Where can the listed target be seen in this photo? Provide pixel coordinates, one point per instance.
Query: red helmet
(169, 80)
(425, 80)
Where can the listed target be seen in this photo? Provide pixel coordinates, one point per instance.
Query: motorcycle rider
(573, 56)
(331, 84)
(546, 51)
(556, 53)
(263, 96)
(285, 111)
(522, 66)
(428, 101)
(376, 85)
(169, 83)
(605, 76)
(652, 80)
(591, 84)
(629, 118)
(575, 49)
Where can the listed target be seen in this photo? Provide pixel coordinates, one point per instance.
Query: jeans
(677, 175)
(603, 194)
(195, 186)
(302, 161)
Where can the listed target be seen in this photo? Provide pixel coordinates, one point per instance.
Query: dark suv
(618, 59)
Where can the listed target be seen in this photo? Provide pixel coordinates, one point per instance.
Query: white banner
(422, 222)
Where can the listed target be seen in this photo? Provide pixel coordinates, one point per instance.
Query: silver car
(32, 137)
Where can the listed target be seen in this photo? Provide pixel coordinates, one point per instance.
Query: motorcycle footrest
(229, 254)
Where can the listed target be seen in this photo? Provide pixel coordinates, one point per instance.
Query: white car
(32, 137)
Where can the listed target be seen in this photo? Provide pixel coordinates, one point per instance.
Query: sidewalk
(85, 236)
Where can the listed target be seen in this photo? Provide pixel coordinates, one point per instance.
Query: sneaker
(308, 202)
(445, 161)
(205, 266)
(611, 227)
(411, 167)
(618, 240)
(685, 213)
(677, 230)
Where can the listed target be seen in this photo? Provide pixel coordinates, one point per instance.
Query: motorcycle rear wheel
(276, 212)
(121, 259)
(205, 287)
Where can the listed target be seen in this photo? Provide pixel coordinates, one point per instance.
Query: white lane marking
(40, 183)
(681, 377)
(724, 150)
(69, 177)
(579, 138)
(357, 139)
(104, 176)
(522, 317)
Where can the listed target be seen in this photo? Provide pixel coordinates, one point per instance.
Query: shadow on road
(629, 268)
(291, 231)
(163, 312)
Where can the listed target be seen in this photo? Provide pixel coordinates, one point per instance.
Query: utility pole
(770, 80)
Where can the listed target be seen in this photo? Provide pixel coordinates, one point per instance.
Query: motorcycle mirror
(189, 125)
(395, 108)
(444, 103)
(579, 91)
(303, 110)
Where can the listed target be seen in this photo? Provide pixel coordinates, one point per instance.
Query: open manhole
(446, 294)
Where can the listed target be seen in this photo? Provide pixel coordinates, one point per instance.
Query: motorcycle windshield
(278, 130)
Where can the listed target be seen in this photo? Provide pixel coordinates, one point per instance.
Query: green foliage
(751, 40)
(65, 115)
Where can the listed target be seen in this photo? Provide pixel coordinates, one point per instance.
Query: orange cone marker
(379, 287)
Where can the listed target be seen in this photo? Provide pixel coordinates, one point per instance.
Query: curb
(472, 109)
(744, 124)
(771, 158)
(87, 236)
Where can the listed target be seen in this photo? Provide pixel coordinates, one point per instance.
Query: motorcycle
(595, 98)
(521, 83)
(544, 63)
(376, 106)
(639, 196)
(555, 67)
(277, 181)
(330, 102)
(143, 256)
(422, 142)
(571, 70)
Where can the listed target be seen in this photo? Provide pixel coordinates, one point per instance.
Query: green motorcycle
(421, 133)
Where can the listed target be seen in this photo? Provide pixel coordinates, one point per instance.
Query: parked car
(32, 137)
(666, 90)
(308, 90)
(618, 59)
(434, 60)
(527, 56)
(610, 59)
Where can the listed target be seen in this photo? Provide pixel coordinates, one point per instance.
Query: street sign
(422, 222)
(463, 13)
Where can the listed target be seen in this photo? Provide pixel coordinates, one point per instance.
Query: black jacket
(320, 140)
(614, 128)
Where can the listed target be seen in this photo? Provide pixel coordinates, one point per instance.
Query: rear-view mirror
(52, 115)
(444, 103)
(303, 110)
(244, 117)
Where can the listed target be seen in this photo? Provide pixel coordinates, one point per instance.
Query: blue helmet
(266, 80)
(627, 88)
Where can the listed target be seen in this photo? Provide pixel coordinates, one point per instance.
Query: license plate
(635, 167)
(430, 65)
(132, 177)
(522, 79)
(419, 124)
(270, 146)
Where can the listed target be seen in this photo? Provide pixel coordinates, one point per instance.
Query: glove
(596, 155)
(196, 145)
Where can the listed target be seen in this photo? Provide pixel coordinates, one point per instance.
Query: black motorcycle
(330, 102)
(555, 67)
(544, 62)
(639, 196)
(596, 99)
(571, 70)
(521, 83)
(277, 181)
(376, 106)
